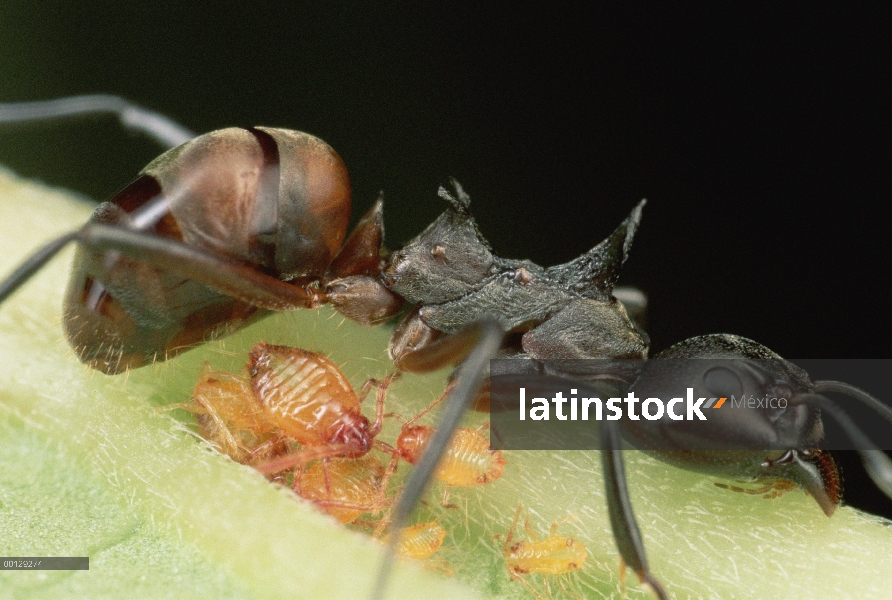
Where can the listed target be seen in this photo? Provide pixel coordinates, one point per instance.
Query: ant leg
(635, 303)
(434, 354)
(619, 506)
(351, 283)
(410, 337)
(33, 264)
(488, 337)
(383, 386)
(238, 281)
(163, 130)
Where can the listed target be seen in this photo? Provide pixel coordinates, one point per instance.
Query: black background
(760, 136)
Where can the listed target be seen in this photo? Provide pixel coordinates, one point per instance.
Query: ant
(232, 224)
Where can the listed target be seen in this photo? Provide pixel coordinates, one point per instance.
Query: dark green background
(760, 137)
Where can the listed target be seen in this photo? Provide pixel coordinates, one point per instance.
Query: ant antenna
(856, 393)
(163, 130)
(469, 380)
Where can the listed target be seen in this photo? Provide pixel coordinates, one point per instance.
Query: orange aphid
(554, 555)
(467, 461)
(421, 541)
(309, 399)
(305, 394)
(353, 486)
(297, 396)
(230, 418)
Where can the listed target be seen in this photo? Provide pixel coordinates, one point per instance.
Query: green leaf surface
(91, 465)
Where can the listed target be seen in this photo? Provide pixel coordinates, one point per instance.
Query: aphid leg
(163, 130)
(546, 586)
(231, 444)
(553, 531)
(298, 459)
(366, 388)
(228, 444)
(619, 507)
(267, 446)
(530, 533)
(622, 577)
(444, 499)
(382, 496)
(510, 537)
(486, 339)
(515, 576)
(383, 386)
(430, 406)
(326, 475)
(296, 481)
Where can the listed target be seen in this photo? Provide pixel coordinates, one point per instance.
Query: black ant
(238, 222)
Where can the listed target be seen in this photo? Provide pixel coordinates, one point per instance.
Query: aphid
(231, 419)
(251, 426)
(421, 541)
(555, 555)
(345, 488)
(307, 396)
(467, 461)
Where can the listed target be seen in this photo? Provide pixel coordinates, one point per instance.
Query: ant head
(762, 429)
(759, 412)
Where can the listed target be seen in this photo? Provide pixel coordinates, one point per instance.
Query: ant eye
(723, 382)
(439, 252)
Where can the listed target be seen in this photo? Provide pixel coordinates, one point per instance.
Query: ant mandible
(229, 225)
